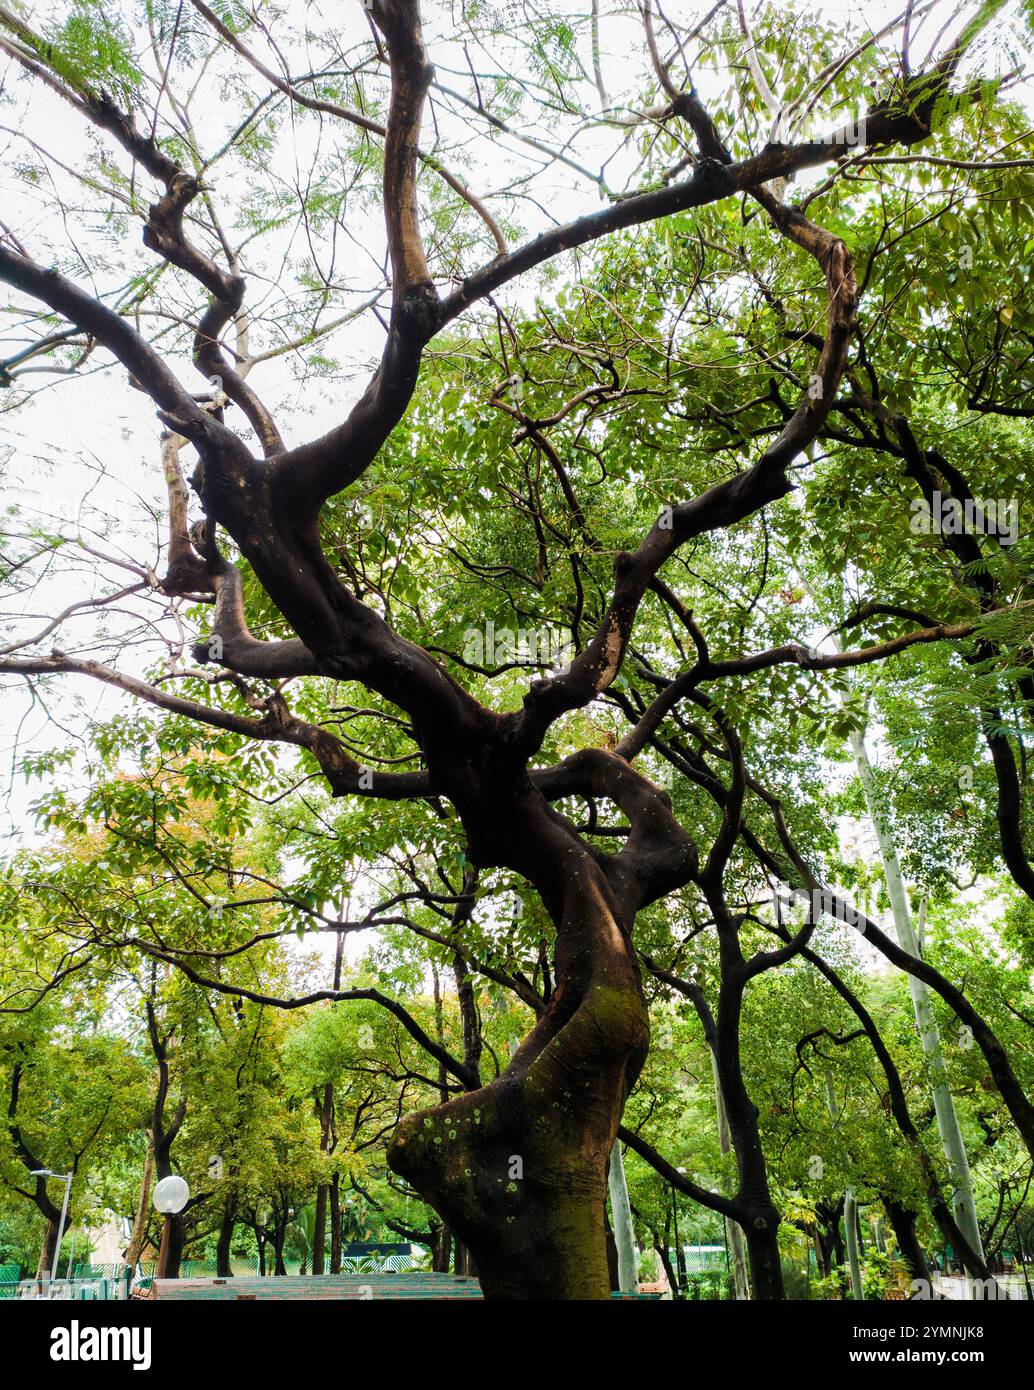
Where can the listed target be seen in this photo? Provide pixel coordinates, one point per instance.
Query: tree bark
(854, 1268)
(441, 1249)
(326, 1114)
(851, 1242)
(177, 1244)
(903, 1222)
(761, 1217)
(733, 1230)
(48, 1250)
(279, 1236)
(335, 1224)
(138, 1236)
(319, 1233)
(756, 1216)
(518, 1168)
(223, 1265)
(612, 1255)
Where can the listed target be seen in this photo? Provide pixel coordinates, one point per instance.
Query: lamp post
(170, 1197)
(67, 1179)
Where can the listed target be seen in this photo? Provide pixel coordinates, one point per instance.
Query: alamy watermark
(78, 1342)
(802, 905)
(947, 516)
(503, 646)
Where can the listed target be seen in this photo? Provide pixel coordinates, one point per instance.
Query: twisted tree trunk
(904, 1223)
(518, 1168)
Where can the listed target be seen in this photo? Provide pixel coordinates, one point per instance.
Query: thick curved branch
(710, 182)
(658, 856)
(232, 643)
(305, 478)
(317, 470)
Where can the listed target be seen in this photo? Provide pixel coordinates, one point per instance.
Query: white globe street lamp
(170, 1196)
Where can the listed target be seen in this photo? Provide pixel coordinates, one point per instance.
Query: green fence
(246, 1268)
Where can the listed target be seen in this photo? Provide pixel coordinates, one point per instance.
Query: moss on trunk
(518, 1168)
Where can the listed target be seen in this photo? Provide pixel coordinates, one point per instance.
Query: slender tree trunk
(665, 1254)
(755, 1234)
(963, 1202)
(761, 1224)
(177, 1224)
(223, 1266)
(854, 1268)
(903, 1223)
(470, 1023)
(734, 1236)
(851, 1242)
(319, 1236)
(836, 1238)
(821, 1250)
(48, 1250)
(138, 1236)
(441, 1250)
(319, 1227)
(469, 1017)
(319, 1233)
(877, 1235)
(612, 1254)
(624, 1234)
(335, 1224)
(177, 1244)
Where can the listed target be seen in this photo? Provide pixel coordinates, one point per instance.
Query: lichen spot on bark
(611, 654)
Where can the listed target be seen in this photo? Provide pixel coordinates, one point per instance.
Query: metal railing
(90, 1290)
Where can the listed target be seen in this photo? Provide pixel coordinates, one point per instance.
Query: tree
(598, 393)
(72, 1101)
